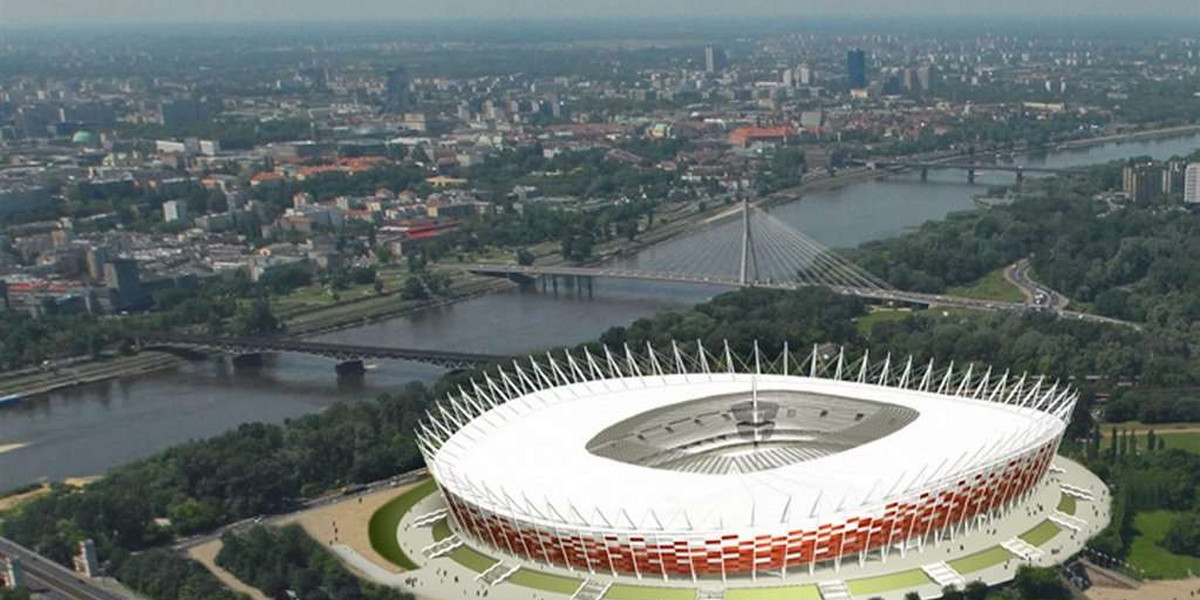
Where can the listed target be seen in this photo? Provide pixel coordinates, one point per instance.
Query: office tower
(1173, 178)
(1191, 184)
(856, 68)
(805, 73)
(396, 91)
(925, 78)
(177, 113)
(96, 257)
(714, 59)
(788, 80)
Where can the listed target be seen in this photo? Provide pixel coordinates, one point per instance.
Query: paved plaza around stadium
(977, 556)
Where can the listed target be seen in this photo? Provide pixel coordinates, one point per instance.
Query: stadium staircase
(496, 573)
(1068, 522)
(1022, 549)
(944, 575)
(430, 518)
(1078, 492)
(834, 590)
(442, 548)
(591, 589)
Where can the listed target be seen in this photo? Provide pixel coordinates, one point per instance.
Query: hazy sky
(32, 12)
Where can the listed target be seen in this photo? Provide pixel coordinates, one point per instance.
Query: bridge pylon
(749, 263)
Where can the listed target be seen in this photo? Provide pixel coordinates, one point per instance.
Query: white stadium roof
(527, 457)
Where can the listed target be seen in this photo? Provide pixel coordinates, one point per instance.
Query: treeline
(1166, 406)
(284, 563)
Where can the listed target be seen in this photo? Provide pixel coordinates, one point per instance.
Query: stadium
(704, 467)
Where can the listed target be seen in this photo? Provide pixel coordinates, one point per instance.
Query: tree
(1042, 584)
(976, 590)
(256, 318)
(524, 257)
(912, 596)
(378, 285)
(413, 289)
(952, 592)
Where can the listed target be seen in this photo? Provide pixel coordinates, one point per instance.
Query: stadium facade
(697, 465)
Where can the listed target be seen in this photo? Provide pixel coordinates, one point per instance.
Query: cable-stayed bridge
(763, 252)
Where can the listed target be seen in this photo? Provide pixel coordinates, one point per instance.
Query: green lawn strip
(441, 530)
(980, 560)
(1150, 527)
(384, 523)
(1067, 504)
(472, 559)
(641, 592)
(793, 592)
(866, 322)
(545, 582)
(992, 286)
(885, 583)
(1041, 534)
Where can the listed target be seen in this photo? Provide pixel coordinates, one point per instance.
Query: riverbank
(28, 384)
(1130, 136)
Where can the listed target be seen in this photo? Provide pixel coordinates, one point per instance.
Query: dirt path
(347, 522)
(206, 554)
(1178, 589)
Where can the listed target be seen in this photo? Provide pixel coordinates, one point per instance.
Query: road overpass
(349, 357)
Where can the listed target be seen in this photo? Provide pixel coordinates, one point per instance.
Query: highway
(52, 580)
(1038, 294)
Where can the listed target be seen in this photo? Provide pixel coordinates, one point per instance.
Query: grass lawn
(555, 584)
(992, 286)
(794, 592)
(882, 315)
(472, 559)
(441, 530)
(386, 520)
(641, 592)
(980, 560)
(885, 583)
(1145, 553)
(1041, 534)
(1067, 504)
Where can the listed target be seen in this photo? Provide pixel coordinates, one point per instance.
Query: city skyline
(31, 13)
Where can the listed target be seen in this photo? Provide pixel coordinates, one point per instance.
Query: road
(1037, 294)
(52, 580)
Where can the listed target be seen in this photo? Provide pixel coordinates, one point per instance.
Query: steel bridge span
(349, 357)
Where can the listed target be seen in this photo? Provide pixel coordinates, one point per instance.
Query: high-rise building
(788, 79)
(925, 78)
(1191, 184)
(856, 68)
(96, 257)
(1142, 183)
(805, 74)
(714, 59)
(1172, 178)
(396, 91)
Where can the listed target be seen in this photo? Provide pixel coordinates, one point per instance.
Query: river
(87, 429)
